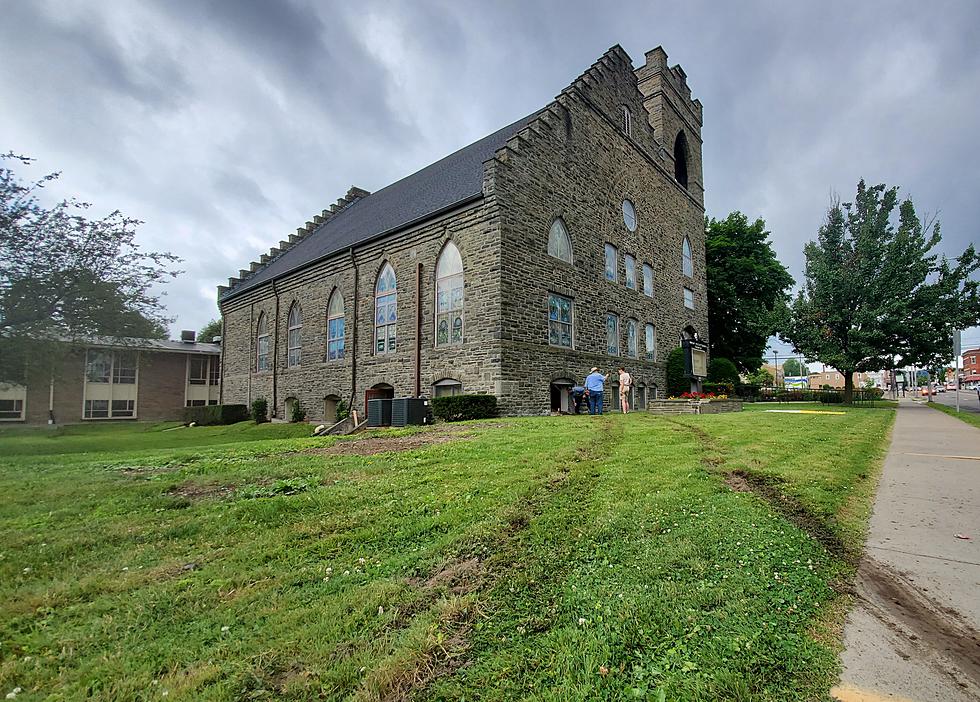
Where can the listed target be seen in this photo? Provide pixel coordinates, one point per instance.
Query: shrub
(831, 398)
(298, 413)
(209, 415)
(343, 411)
(457, 408)
(719, 388)
(260, 410)
(676, 382)
(721, 370)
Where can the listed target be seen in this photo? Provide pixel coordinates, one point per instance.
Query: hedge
(719, 388)
(208, 415)
(457, 408)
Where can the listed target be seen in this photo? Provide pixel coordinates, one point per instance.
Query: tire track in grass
(470, 581)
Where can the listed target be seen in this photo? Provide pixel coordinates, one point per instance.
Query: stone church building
(572, 238)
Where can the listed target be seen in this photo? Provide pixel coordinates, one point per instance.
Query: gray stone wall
(578, 165)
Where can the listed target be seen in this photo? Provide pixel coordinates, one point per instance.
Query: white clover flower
(225, 628)
(581, 621)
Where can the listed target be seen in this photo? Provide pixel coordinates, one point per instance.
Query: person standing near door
(625, 387)
(595, 383)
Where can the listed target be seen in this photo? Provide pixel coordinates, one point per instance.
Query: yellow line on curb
(850, 693)
(940, 455)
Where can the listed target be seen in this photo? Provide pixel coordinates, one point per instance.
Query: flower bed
(694, 405)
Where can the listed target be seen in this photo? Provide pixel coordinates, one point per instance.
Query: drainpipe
(50, 400)
(353, 337)
(275, 353)
(418, 330)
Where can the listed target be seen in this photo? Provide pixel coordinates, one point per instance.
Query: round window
(629, 215)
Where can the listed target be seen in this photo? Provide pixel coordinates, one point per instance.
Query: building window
(385, 310)
(447, 387)
(262, 344)
(449, 297)
(11, 409)
(680, 159)
(689, 298)
(650, 339)
(98, 366)
(96, 409)
(335, 327)
(631, 350)
(196, 403)
(124, 368)
(197, 373)
(294, 331)
(627, 121)
(629, 215)
(630, 263)
(214, 372)
(559, 321)
(559, 243)
(612, 255)
(612, 334)
(123, 408)
(687, 260)
(648, 279)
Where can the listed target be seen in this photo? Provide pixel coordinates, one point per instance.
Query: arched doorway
(331, 403)
(641, 396)
(380, 391)
(292, 406)
(561, 395)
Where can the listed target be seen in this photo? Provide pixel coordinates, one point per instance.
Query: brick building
(971, 366)
(572, 238)
(116, 379)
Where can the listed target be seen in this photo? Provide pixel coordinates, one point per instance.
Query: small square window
(689, 298)
(559, 321)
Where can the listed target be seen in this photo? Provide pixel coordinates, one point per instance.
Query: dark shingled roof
(454, 179)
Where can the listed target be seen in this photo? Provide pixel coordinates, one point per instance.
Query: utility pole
(775, 367)
(956, 366)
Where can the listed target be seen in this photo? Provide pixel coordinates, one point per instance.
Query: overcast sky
(226, 125)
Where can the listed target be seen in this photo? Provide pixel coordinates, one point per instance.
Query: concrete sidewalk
(912, 634)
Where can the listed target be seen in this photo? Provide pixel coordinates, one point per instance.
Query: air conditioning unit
(407, 411)
(379, 412)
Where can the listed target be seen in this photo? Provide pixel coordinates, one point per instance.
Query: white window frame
(449, 281)
(262, 344)
(629, 263)
(294, 336)
(559, 324)
(629, 213)
(687, 258)
(627, 121)
(610, 350)
(648, 280)
(688, 298)
(558, 238)
(611, 253)
(205, 361)
(387, 330)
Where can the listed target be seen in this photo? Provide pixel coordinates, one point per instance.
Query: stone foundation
(693, 406)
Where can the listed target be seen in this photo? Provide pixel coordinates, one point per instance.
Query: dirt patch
(459, 577)
(926, 625)
(737, 482)
(191, 490)
(372, 445)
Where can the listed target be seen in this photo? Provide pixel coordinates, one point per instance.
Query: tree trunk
(848, 387)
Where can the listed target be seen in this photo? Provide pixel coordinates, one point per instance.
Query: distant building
(971, 366)
(118, 379)
(835, 379)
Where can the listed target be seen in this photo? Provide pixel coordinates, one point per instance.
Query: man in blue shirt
(595, 383)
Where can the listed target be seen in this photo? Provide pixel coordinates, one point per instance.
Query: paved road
(968, 400)
(913, 633)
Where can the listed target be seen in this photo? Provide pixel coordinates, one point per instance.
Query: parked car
(950, 386)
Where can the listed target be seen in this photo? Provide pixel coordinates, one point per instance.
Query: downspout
(418, 330)
(275, 353)
(251, 354)
(50, 400)
(353, 337)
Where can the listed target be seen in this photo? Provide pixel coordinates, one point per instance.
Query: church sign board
(695, 358)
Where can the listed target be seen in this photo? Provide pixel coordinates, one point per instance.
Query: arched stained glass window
(449, 297)
(687, 259)
(262, 344)
(631, 349)
(385, 310)
(335, 327)
(559, 243)
(294, 330)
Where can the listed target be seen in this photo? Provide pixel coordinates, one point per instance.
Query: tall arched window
(449, 297)
(262, 344)
(631, 349)
(687, 259)
(294, 330)
(559, 243)
(385, 310)
(335, 327)
(680, 158)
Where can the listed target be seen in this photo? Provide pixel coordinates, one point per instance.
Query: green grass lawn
(550, 558)
(969, 417)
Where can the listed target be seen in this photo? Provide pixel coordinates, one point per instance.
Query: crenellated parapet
(318, 220)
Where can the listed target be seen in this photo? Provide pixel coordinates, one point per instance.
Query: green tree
(747, 289)
(721, 370)
(793, 368)
(876, 296)
(209, 331)
(64, 277)
(761, 377)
